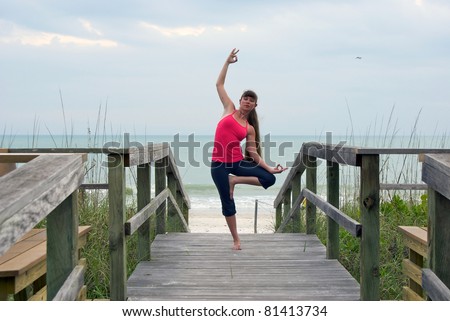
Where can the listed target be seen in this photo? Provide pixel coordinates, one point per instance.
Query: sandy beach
(211, 220)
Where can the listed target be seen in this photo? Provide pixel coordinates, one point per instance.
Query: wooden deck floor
(201, 266)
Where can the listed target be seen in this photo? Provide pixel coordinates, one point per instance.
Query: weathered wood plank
(333, 200)
(404, 187)
(145, 213)
(160, 186)
(72, 286)
(370, 220)
(438, 235)
(415, 238)
(143, 198)
(296, 215)
(26, 183)
(287, 204)
(173, 168)
(40, 295)
(117, 241)
(290, 215)
(148, 154)
(10, 157)
(188, 266)
(178, 212)
(436, 173)
(95, 150)
(20, 260)
(94, 186)
(410, 295)
(435, 288)
(62, 243)
(399, 151)
(336, 153)
(345, 221)
(30, 193)
(311, 184)
(297, 168)
(412, 271)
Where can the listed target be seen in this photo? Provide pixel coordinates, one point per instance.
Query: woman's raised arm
(227, 103)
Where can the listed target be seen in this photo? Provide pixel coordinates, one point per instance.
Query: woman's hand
(278, 169)
(232, 58)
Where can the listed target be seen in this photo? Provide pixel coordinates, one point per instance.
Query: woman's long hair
(253, 120)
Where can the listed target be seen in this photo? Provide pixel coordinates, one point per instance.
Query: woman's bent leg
(252, 174)
(249, 180)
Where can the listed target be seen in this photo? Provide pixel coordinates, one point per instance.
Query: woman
(228, 166)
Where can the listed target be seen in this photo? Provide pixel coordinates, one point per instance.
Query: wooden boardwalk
(202, 266)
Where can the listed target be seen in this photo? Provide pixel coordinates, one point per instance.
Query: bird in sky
(358, 57)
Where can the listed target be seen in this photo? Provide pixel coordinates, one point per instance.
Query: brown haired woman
(229, 166)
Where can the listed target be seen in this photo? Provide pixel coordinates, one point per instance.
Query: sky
(150, 67)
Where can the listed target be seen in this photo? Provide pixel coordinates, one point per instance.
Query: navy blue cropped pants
(220, 172)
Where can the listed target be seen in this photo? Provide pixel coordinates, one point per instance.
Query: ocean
(193, 153)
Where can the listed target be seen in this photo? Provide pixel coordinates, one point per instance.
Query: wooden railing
(436, 279)
(170, 206)
(415, 241)
(288, 200)
(45, 188)
(168, 188)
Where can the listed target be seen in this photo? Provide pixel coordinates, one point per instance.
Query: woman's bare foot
(232, 181)
(237, 245)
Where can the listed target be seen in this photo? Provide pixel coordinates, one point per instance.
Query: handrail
(436, 173)
(435, 288)
(298, 168)
(71, 287)
(349, 224)
(44, 187)
(289, 198)
(168, 189)
(293, 211)
(133, 156)
(135, 222)
(32, 191)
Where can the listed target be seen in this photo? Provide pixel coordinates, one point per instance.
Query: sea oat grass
(393, 213)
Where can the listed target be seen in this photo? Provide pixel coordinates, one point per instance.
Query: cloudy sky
(151, 66)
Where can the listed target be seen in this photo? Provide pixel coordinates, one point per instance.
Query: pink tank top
(227, 140)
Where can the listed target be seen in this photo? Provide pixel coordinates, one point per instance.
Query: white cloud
(177, 32)
(193, 31)
(88, 26)
(27, 37)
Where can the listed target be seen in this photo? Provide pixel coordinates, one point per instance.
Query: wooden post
(183, 206)
(287, 203)
(333, 199)
(172, 216)
(311, 184)
(62, 240)
(278, 215)
(296, 189)
(438, 235)
(370, 220)
(436, 173)
(160, 185)
(255, 222)
(143, 198)
(117, 242)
